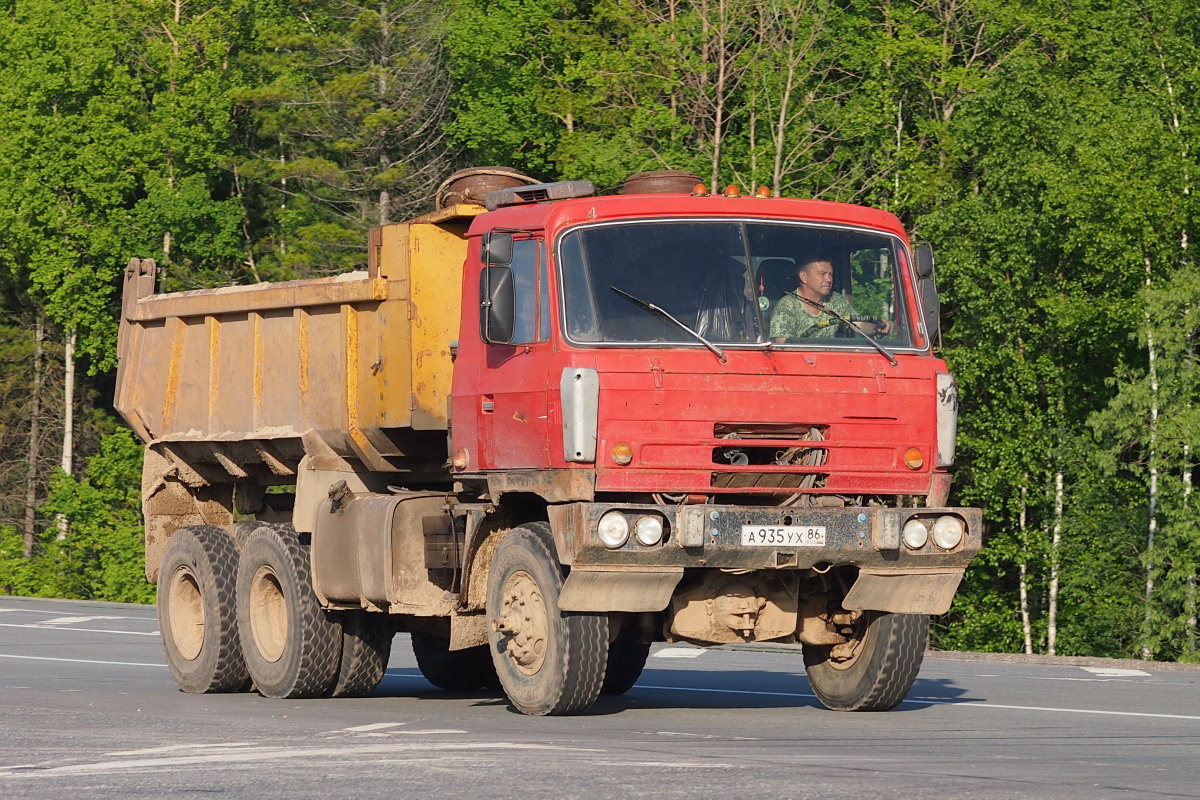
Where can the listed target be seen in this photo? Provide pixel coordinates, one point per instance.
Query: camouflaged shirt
(792, 320)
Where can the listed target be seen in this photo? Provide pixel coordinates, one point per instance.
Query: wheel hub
(268, 614)
(523, 623)
(187, 613)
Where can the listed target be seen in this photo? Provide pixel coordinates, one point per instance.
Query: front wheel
(876, 669)
(549, 662)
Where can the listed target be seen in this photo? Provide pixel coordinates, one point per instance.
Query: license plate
(783, 535)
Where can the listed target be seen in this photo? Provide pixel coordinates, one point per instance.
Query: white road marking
(374, 726)
(175, 748)
(44, 626)
(83, 661)
(262, 754)
(71, 620)
(1110, 672)
(59, 613)
(679, 652)
(703, 736)
(955, 703)
(671, 764)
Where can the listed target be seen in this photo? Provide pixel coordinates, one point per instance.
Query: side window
(872, 285)
(531, 293)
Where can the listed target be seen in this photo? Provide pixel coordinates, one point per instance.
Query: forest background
(1045, 147)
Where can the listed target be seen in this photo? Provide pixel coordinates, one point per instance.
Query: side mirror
(496, 249)
(932, 305)
(497, 304)
(924, 256)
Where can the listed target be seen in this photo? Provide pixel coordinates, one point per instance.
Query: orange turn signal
(914, 458)
(622, 454)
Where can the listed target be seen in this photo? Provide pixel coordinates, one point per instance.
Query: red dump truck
(543, 431)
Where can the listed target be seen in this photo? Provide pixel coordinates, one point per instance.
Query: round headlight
(613, 530)
(948, 532)
(648, 530)
(915, 534)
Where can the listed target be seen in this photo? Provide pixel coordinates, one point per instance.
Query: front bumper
(710, 536)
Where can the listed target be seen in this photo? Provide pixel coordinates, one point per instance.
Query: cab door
(513, 414)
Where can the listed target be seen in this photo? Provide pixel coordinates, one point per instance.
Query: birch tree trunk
(1152, 460)
(68, 443)
(1055, 538)
(1026, 628)
(35, 435)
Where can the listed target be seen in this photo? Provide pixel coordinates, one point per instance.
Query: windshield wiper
(821, 306)
(659, 310)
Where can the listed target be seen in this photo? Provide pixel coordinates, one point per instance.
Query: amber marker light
(914, 458)
(732, 191)
(462, 459)
(699, 189)
(622, 454)
(763, 191)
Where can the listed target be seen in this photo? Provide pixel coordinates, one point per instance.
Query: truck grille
(769, 456)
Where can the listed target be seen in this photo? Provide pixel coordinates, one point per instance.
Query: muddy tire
(197, 613)
(882, 669)
(366, 646)
(453, 670)
(626, 659)
(549, 662)
(292, 646)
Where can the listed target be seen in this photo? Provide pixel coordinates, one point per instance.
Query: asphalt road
(90, 711)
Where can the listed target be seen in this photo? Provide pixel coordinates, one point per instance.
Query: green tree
(347, 125)
(101, 557)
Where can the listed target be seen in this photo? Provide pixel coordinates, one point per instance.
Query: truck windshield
(732, 283)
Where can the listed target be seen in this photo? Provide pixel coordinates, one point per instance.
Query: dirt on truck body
(544, 429)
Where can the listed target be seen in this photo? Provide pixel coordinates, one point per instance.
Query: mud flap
(618, 590)
(914, 592)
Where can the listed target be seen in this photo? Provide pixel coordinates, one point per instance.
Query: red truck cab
(683, 419)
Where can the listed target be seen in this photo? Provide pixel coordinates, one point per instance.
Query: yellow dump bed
(355, 366)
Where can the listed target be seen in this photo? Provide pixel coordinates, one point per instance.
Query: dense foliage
(1046, 148)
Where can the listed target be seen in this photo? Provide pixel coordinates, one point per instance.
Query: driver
(796, 319)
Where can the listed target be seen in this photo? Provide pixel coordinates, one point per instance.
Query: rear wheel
(292, 645)
(197, 615)
(453, 670)
(366, 647)
(549, 662)
(876, 669)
